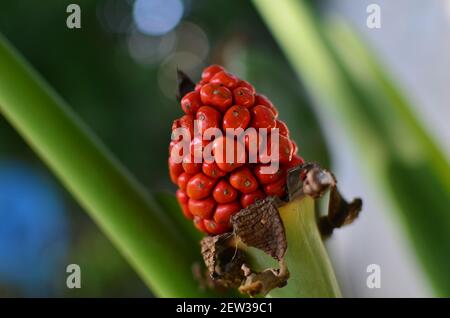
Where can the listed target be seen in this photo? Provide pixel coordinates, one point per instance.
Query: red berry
(295, 161)
(187, 122)
(175, 124)
(294, 147)
(278, 188)
(246, 84)
(182, 180)
(182, 197)
(217, 96)
(202, 208)
(225, 79)
(243, 180)
(185, 210)
(210, 71)
(189, 166)
(191, 102)
(266, 178)
(282, 128)
(224, 192)
(250, 198)
(175, 169)
(212, 170)
(226, 145)
(207, 117)
(236, 117)
(199, 186)
(213, 228)
(244, 96)
(223, 212)
(263, 100)
(284, 150)
(198, 223)
(262, 117)
(199, 85)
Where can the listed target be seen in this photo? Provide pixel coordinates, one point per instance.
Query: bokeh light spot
(157, 17)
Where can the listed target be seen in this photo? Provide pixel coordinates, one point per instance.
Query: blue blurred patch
(33, 231)
(157, 17)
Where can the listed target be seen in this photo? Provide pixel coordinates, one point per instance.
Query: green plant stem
(311, 273)
(159, 252)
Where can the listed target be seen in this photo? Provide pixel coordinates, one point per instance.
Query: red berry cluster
(211, 192)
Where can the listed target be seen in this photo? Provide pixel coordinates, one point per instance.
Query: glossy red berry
(244, 96)
(199, 85)
(294, 147)
(224, 192)
(282, 128)
(235, 150)
(199, 186)
(202, 208)
(243, 180)
(207, 117)
(285, 150)
(278, 188)
(212, 170)
(190, 166)
(263, 100)
(216, 96)
(264, 177)
(182, 197)
(250, 198)
(213, 228)
(295, 161)
(191, 102)
(198, 223)
(185, 210)
(210, 71)
(182, 180)
(262, 117)
(225, 79)
(175, 169)
(187, 122)
(223, 212)
(236, 117)
(246, 84)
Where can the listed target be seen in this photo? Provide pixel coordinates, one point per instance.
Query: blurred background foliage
(121, 82)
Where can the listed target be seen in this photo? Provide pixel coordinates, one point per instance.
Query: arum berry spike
(251, 191)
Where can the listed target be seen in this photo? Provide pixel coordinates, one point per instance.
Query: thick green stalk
(311, 273)
(159, 251)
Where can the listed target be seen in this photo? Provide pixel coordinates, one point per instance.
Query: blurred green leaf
(416, 172)
(168, 202)
(345, 80)
(159, 251)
